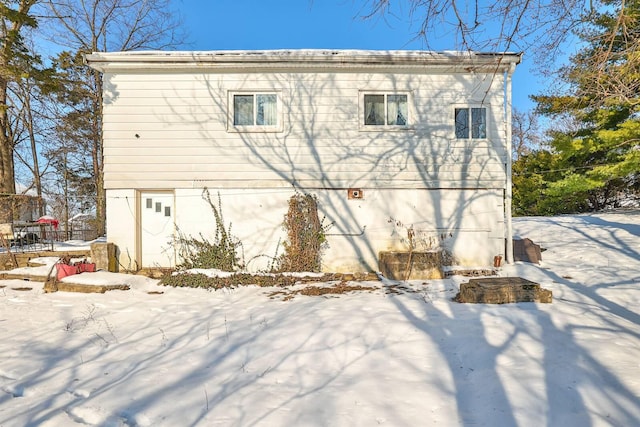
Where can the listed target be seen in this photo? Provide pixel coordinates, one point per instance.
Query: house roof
(302, 58)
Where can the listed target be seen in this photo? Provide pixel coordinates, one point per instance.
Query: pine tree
(598, 160)
(14, 19)
(75, 157)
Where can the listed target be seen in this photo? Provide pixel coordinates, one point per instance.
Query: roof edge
(103, 61)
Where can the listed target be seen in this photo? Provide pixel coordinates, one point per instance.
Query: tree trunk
(7, 180)
(12, 21)
(34, 153)
(98, 169)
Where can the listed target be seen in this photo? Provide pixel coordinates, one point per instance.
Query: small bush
(221, 254)
(186, 280)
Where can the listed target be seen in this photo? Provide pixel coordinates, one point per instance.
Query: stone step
(502, 290)
(52, 286)
(56, 286)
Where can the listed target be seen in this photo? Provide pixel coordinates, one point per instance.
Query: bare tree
(115, 25)
(110, 25)
(25, 130)
(497, 25)
(543, 28)
(525, 133)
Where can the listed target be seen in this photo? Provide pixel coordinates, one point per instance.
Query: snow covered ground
(189, 357)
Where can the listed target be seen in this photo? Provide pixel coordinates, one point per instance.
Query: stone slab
(527, 251)
(502, 290)
(52, 286)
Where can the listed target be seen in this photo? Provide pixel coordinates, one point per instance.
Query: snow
(161, 356)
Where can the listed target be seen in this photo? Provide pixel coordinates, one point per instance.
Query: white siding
(169, 131)
(173, 127)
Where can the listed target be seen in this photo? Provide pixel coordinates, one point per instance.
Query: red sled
(87, 267)
(64, 270)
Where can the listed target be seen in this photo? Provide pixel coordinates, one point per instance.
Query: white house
(388, 142)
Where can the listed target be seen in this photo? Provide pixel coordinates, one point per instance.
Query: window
(471, 123)
(386, 110)
(260, 109)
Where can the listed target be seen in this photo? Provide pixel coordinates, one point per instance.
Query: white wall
(254, 217)
(121, 226)
(168, 130)
(171, 131)
(357, 229)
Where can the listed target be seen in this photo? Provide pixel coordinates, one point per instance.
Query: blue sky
(318, 24)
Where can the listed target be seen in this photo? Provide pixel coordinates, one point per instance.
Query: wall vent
(355, 193)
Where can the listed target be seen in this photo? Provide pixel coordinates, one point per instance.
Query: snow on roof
(307, 52)
(335, 57)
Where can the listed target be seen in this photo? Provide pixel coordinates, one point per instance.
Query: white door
(157, 229)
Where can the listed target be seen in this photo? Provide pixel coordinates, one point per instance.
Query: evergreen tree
(530, 175)
(598, 160)
(15, 62)
(75, 157)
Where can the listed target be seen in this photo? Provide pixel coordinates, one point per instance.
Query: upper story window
(254, 111)
(386, 109)
(470, 123)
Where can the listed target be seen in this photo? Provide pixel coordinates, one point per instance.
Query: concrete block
(103, 254)
(411, 265)
(502, 290)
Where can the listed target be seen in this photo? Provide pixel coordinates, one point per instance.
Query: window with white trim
(470, 123)
(254, 111)
(386, 109)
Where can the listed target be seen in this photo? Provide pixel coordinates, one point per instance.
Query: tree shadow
(533, 366)
(228, 370)
(448, 191)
